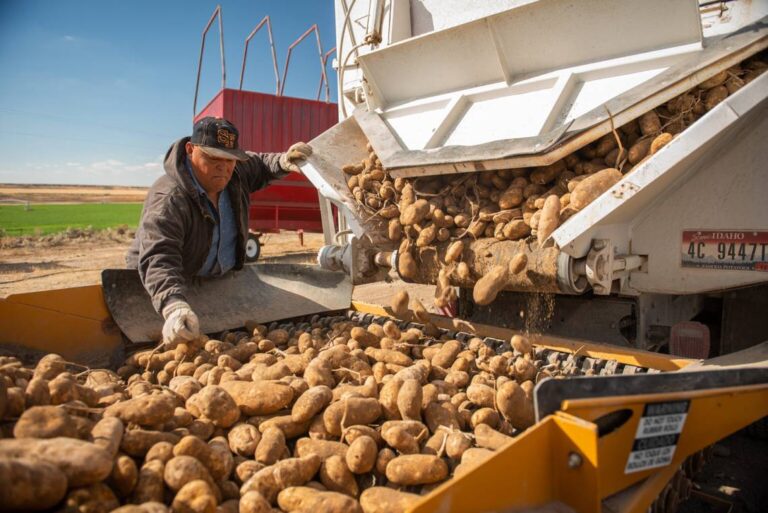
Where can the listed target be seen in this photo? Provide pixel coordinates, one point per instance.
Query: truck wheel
(252, 248)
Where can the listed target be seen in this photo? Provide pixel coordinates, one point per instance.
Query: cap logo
(226, 138)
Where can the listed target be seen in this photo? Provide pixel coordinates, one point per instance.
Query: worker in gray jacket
(195, 218)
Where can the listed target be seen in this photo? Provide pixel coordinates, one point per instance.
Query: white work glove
(296, 152)
(180, 322)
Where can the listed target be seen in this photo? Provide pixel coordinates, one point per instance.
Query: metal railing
(279, 81)
(301, 38)
(268, 23)
(216, 14)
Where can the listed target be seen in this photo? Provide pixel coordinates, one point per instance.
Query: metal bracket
(603, 266)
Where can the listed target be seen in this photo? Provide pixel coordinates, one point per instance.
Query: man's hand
(296, 152)
(180, 322)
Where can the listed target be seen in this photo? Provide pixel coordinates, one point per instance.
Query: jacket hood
(175, 167)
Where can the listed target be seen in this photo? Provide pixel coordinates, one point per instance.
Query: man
(195, 217)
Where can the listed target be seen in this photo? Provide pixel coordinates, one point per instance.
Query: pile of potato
(326, 415)
(525, 204)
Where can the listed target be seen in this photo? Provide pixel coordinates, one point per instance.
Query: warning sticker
(736, 250)
(657, 434)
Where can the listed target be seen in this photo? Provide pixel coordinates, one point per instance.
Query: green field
(15, 220)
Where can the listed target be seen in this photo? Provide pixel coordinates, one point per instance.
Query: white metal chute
(528, 85)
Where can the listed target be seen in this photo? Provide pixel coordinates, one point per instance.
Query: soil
(70, 194)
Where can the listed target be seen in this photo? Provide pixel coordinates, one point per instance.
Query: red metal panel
(269, 123)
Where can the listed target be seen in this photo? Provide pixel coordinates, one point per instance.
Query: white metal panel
(527, 40)
(711, 176)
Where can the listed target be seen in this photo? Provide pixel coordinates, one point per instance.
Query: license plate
(725, 249)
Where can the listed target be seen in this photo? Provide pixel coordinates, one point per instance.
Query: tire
(252, 248)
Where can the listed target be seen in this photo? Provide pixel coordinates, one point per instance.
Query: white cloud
(69, 39)
(100, 172)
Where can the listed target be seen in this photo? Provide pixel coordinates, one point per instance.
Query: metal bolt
(574, 460)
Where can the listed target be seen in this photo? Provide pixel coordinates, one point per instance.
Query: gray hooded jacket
(174, 234)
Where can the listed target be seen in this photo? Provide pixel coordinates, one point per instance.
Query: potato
(381, 499)
(350, 411)
(404, 435)
(550, 218)
(136, 442)
(521, 344)
(124, 476)
(271, 447)
(181, 470)
(406, 265)
(481, 395)
(488, 438)
(162, 451)
(336, 476)
(82, 462)
(246, 469)
(148, 410)
(639, 150)
(488, 287)
(518, 263)
(361, 455)
(447, 354)
(95, 498)
(389, 356)
(516, 229)
(185, 386)
(650, 124)
(322, 448)
(283, 474)
(108, 433)
(311, 402)
(304, 498)
(659, 142)
(150, 485)
(211, 455)
(544, 175)
(454, 252)
(394, 230)
(36, 394)
(409, 400)
(195, 497)
(456, 444)
(487, 416)
(30, 485)
(254, 502)
(45, 422)
(416, 469)
(524, 370)
(715, 80)
(515, 403)
(319, 372)
(49, 366)
(440, 414)
(258, 398)
(243, 439)
(510, 198)
(593, 186)
(213, 402)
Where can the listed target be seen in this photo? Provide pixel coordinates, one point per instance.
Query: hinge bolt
(574, 460)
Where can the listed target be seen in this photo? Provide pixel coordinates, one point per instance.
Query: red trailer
(271, 123)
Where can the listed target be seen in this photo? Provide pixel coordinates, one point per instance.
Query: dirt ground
(71, 193)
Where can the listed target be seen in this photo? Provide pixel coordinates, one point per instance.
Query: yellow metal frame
(623, 355)
(562, 458)
(73, 322)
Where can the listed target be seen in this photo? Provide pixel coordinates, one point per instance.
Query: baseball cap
(218, 137)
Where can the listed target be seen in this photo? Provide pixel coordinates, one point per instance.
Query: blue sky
(94, 92)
